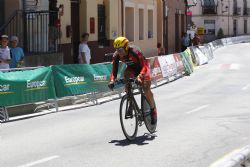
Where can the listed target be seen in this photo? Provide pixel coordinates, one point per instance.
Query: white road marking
(234, 67)
(197, 109)
(246, 87)
(40, 161)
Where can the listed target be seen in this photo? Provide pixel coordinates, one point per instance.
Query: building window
(236, 9)
(129, 23)
(141, 24)
(245, 12)
(209, 6)
(150, 23)
(101, 25)
(245, 26)
(209, 27)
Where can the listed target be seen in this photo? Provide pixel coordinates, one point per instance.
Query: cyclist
(137, 66)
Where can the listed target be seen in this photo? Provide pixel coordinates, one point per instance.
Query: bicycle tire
(147, 115)
(124, 105)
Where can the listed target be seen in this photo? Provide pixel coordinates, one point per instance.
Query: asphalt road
(202, 117)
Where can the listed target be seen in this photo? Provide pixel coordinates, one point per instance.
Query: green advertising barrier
(187, 63)
(29, 86)
(78, 79)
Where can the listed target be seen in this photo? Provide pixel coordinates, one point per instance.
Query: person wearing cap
(17, 54)
(4, 53)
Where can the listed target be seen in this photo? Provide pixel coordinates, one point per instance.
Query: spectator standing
(4, 53)
(196, 40)
(184, 42)
(84, 51)
(190, 39)
(160, 50)
(17, 54)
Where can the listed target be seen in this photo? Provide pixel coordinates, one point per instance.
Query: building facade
(232, 16)
(175, 24)
(57, 25)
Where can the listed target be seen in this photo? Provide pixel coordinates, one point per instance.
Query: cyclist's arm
(144, 65)
(115, 65)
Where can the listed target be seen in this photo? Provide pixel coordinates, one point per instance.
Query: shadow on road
(141, 140)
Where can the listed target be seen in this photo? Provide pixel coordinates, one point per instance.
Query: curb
(237, 158)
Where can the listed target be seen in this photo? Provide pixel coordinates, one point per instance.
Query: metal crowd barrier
(4, 116)
(207, 51)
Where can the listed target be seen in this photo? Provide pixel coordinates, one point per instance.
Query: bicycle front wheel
(128, 118)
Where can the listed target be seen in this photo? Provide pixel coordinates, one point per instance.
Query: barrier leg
(55, 104)
(94, 98)
(4, 114)
(120, 94)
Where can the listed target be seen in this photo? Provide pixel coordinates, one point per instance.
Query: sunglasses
(120, 49)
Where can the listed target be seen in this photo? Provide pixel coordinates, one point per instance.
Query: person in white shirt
(4, 53)
(84, 51)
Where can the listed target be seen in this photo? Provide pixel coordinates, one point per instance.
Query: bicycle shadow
(140, 140)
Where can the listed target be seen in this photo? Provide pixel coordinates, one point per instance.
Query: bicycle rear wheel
(128, 120)
(147, 115)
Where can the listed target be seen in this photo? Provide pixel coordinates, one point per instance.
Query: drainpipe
(164, 25)
(122, 12)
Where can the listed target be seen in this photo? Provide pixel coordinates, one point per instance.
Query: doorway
(1, 13)
(177, 33)
(75, 21)
(235, 28)
(165, 35)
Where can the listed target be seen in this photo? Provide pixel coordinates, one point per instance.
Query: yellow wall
(65, 20)
(114, 19)
(88, 9)
(148, 45)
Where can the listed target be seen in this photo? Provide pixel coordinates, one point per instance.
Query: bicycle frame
(131, 98)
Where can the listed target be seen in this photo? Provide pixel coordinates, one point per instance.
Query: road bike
(131, 114)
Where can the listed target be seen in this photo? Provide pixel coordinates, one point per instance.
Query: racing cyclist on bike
(137, 66)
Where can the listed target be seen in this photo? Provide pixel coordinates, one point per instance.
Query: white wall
(221, 18)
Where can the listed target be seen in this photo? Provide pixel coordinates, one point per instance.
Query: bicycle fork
(132, 105)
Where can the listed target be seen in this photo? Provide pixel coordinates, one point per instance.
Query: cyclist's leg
(128, 73)
(150, 97)
(148, 93)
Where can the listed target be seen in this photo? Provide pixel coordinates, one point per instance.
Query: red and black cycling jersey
(134, 60)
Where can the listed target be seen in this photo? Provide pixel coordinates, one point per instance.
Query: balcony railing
(246, 11)
(237, 11)
(37, 30)
(209, 10)
(209, 6)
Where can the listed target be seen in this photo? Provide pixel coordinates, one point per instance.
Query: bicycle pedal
(129, 117)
